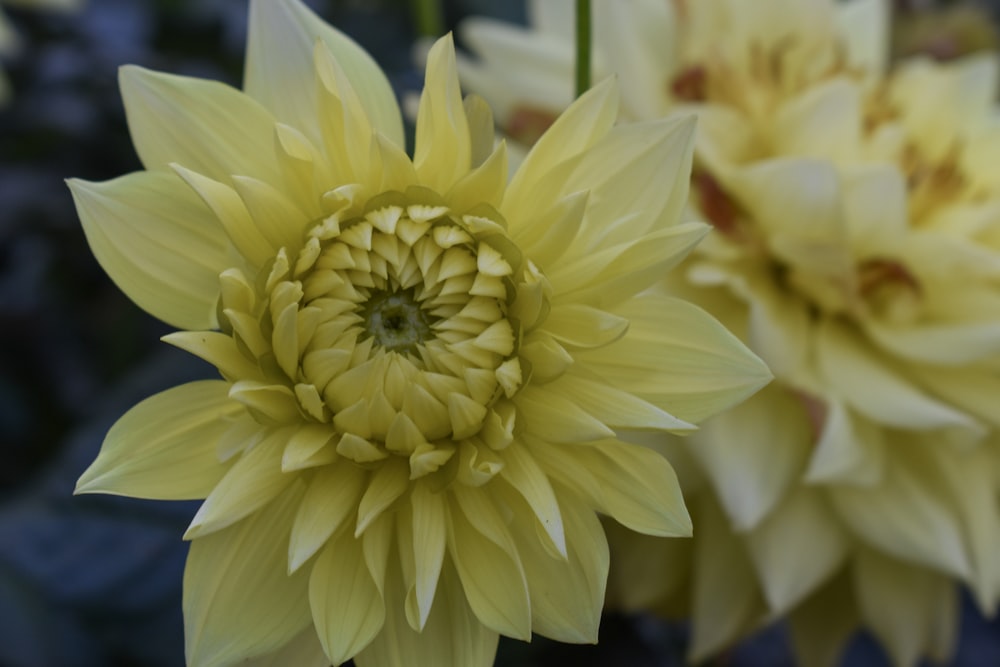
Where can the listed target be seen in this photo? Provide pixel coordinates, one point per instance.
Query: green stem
(428, 17)
(583, 46)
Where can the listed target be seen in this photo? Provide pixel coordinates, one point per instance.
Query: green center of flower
(397, 321)
(389, 329)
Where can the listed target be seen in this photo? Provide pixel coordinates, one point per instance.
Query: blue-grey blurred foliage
(95, 581)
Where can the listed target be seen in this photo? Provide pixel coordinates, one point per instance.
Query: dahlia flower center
(389, 325)
(397, 321)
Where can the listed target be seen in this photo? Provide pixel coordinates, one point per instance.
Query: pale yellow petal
(164, 447)
(583, 124)
(678, 357)
(302, 651)
(903, 605)
(346, 603)
(872, 387)
(616, 408)
(522, 471)
(243, 568)
(754, 453)
(429, 539)
(908, 515)
(279, 68)
(330, 498)
(824, 622)
(158, 242)
(202, 125)
(488, 565)
(443, 152)
(250, 484)
(452, 635)
(553, 418)
(726, 600)
(567, 594)
(790, 574)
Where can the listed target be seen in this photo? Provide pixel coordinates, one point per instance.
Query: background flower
(855, 252)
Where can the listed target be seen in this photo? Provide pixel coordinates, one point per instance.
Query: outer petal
(279, 68)
(164, 447)
(632, 484)
(753, 454)
(452, 636)
(788, 575)
(582, 125)
(566, 594)
(909, 609)
(244, 568)
(443, 152)
(158, 242)
(205, 126)
(303, 651)
(346, 602)
(678, 357)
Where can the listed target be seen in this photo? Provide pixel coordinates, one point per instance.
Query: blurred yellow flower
(10, 43)
(857, 250)
(427, 368)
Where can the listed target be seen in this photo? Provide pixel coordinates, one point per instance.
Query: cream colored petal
(796, 548)
(875, 208)
(385, 486)
(239, 600)
(483, 185)
(158, 242)
(632, 484)
(974, 389)
(849, 449)
(904, 606)
(614, 274)
(908, 515)
(164, 447)
(969, 480)
(429, 539)
(639, 40)
(302, 651)
(873, 387)
(522, 472)
(567, 594)
(443, 151)
(864, 29)
(555, 17)
(824, 122)
(254, 481)
(616, 408)
(218, 349)
(331, 497)
(452, 636)
(678, 357)
(488, 565)
(583, 124)
(726, 600)
(583, 326)
(202, 125)
(279, 219)
(232, 215)
(796, 201)
(553, 418)
(279, 68)
(824, 622)
(754, 453)
(945, 344)
(638, 177)
(347, 605)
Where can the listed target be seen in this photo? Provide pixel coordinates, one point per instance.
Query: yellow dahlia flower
(426, 368)
(10, 43)
(857, 216)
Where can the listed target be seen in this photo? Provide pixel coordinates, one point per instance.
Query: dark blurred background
(95, 581)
